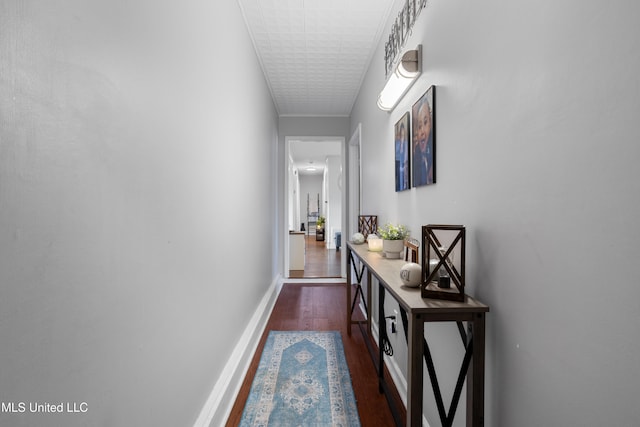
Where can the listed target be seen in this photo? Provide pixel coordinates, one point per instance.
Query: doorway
(315, 206)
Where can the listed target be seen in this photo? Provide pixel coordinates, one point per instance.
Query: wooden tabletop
(387, 271)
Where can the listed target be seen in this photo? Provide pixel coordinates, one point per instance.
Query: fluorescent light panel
(405, 74)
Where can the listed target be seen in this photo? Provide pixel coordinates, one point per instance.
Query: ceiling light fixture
(405, 74)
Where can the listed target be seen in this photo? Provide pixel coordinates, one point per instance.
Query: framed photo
(403, 154)
(424, 139)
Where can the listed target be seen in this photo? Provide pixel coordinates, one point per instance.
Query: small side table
(320, 234)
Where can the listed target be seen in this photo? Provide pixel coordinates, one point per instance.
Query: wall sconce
(405, 74)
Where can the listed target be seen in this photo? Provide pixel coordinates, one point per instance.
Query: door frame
(286, 204)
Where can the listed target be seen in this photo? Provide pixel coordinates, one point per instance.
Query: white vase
(393, 248)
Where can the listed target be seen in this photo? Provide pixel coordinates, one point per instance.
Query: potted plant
(320, 222)
(393, 239)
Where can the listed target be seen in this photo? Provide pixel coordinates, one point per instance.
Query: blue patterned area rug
(302, 380)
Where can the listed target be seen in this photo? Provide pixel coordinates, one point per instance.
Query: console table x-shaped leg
(360, 292)
(475, 325)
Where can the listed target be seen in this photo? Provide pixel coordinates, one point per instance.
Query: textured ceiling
(314, 53)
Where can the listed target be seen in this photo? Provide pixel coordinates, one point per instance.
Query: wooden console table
(418, 311)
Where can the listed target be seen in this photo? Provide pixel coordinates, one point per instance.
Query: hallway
(320, 262)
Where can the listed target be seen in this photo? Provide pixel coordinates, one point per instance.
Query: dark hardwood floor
(319, 262)
(323, 307)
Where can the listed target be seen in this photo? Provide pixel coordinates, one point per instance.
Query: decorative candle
(375, 243)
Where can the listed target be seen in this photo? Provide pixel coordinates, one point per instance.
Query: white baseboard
(221, 399)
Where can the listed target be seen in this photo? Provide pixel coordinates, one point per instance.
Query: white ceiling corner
(314, 53)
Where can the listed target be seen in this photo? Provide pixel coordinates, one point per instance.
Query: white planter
(393, 248)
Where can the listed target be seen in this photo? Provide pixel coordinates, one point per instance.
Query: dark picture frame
(424, 139)
(402, 146)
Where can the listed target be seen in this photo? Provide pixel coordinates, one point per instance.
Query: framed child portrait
(424, 139)
(403, 153)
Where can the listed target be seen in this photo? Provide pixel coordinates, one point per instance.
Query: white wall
(334, 199)
(124, 216)
(311, 187)
(537, 145)
(293, 193)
